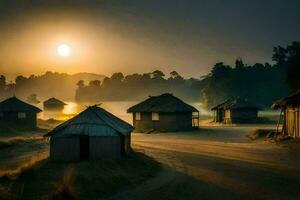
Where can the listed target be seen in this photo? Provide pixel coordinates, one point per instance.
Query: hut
(94, 133)
(289, 115)
(54, 104)
(32, 99)
(17, 113)
(235, 110)
(165, 113)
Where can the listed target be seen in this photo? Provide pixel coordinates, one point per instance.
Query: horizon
(104, 37)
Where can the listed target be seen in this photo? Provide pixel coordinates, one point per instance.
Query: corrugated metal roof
(93, 121)
(15, 104)
(163, 103)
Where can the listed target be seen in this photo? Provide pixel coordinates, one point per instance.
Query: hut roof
(292, 100)
(15, 104)
(54, 101)
(162, 103)
(93, 121)
(236, 103)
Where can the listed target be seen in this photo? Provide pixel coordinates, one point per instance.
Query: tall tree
(157, 74)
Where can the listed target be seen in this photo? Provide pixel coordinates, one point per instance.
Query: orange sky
(128, 36)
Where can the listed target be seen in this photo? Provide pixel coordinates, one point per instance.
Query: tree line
(261, 83)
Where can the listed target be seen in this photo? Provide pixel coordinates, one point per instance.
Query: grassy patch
(279, 139)
(260, 134)
(289, 142)
(83, 180)
(48, 124)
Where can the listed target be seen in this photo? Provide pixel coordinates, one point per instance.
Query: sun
(64, 50)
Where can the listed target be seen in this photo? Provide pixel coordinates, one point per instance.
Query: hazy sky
(107, 36)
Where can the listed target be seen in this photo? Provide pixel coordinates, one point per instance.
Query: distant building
(235, 110)
(15, 112)
(92, 134)
(289, 115)
(54, 103)
(164, 113)
(32, 99)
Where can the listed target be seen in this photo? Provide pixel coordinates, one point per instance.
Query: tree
(157, 74)
(117, 77)
(220, 70)
(293, 65)
(80, 84)
(95, 83)
(2, 82)
(20, 80)
(239, 64)
(174, 74)
(288, 59)
(279, 55)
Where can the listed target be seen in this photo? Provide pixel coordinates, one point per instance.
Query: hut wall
(292, 120)
(219, 115)
(127, 143)
(65, 148)
(243, 115)
(166, 122)
(227, 116)
(12, 117)
(105, 147)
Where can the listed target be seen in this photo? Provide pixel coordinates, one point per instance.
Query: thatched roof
(163, 103)
(94, 121)
(54, 102)
(14, 104)
(292, 100)
(236, 103)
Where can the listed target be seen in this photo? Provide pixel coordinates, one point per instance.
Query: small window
(155, 116)
(138, 116)
(21, 115)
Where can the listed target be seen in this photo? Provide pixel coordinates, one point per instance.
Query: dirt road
(217, 163)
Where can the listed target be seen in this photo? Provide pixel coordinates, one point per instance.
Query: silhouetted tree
(80, 84)
(239, 63)
(95, 83)
(117, 77)
(157, 74)
(2, 82)
(288, 61)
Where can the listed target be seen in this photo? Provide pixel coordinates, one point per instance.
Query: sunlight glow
(63, 50)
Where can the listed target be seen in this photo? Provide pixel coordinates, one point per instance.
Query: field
(215, 162)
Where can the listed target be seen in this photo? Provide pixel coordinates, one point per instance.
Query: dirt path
(217, 163)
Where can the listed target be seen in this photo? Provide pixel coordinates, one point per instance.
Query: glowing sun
(63, 50)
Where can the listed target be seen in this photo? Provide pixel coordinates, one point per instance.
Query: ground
(217, 163)
(212, 163)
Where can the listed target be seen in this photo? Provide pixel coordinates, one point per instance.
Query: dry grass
(260, 134)
(65, 188)
(48, 124)
(279, 139)
(84, 180)
(12, 173)
(289, 142)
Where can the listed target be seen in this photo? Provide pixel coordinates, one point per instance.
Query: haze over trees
(50, 84)
(261, 83)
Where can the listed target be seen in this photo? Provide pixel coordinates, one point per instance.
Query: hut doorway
(84, 147)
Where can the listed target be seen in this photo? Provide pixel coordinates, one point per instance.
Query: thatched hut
(54, 103)
(17, 113)
(289, 115)
(164, 113)
(92, 134)
(236, 110)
